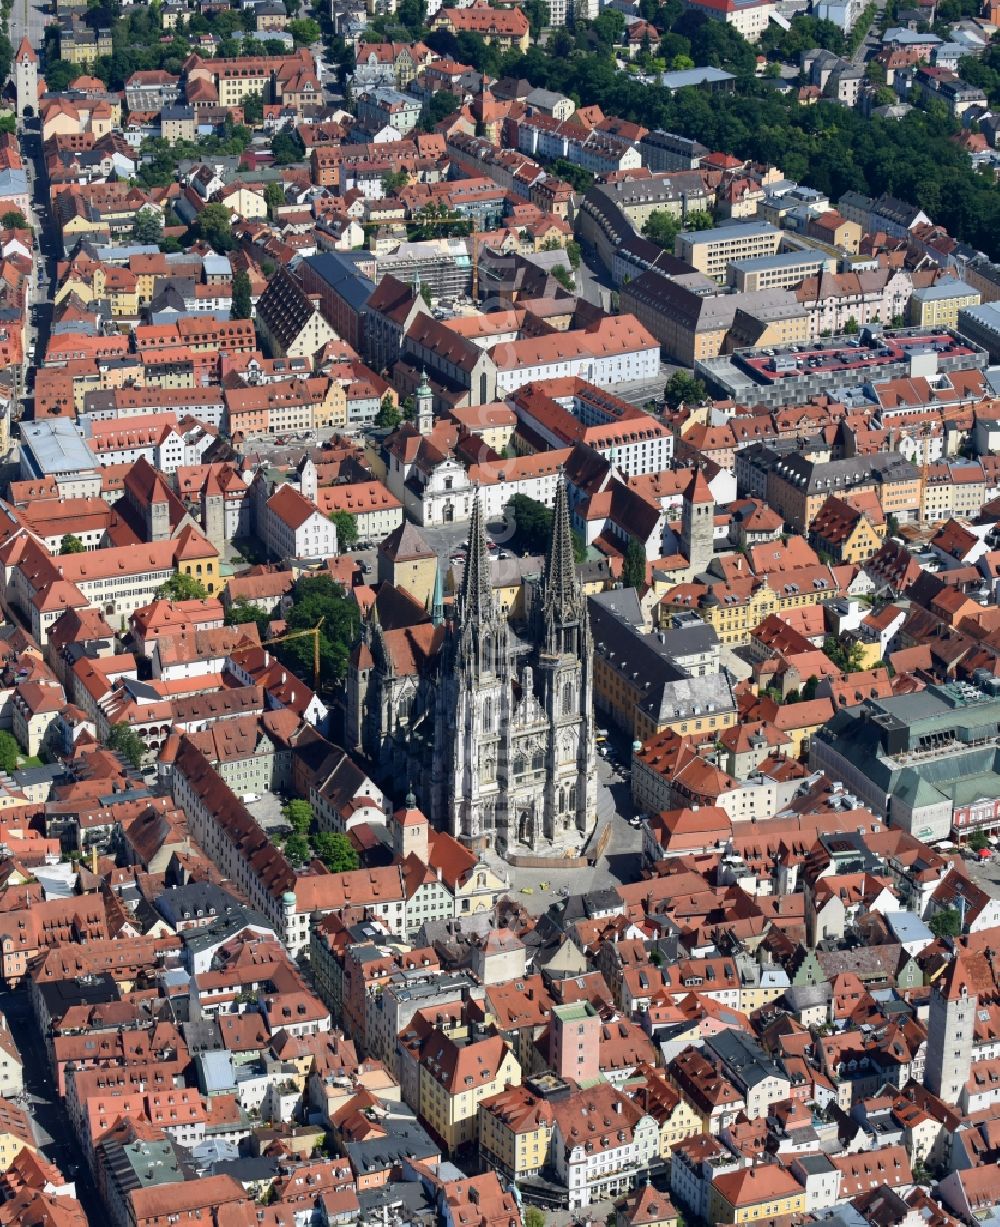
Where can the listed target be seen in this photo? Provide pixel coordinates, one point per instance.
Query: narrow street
(53, 1132)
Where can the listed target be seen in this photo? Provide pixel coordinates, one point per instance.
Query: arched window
(567, 698)
(572, 797)
(488, 716)
(537, 761)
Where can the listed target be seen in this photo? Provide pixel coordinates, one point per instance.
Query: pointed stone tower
(950, 1031)
(308, 479)
(26, 79)
(473, 702)
(698, 523)
(213, 511)
(437, 599)
(565, 669)
(425, 406)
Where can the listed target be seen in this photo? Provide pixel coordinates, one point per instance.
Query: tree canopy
(71, 544)
(214, 225)
(147, 226)
(241, 611)
(242, 308)
(9, 752)
(634, 568)
(336, 851)
(316, 597)
(683, 388)
(127, 742)
(182, 587)
(347, 528)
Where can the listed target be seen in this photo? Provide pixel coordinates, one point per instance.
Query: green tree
(662, 227)
(978, 841)
(242, 308)
(634, 568)
(699, 219)
(347, 528)
(684, 388)
(299, 815)
(848, 657)
(147, 227)
(9, 752)
(71, 544)
(609, 26)
(274, 197)
(852, 326)
(532, 523)
(59, 75)
(946, 923)
(253, 109)
(809, 688)
(388, 416)
(305, 32)
(318, 597)
(439, 106)
(126, 741)
(214, 225)
(14, 219)
(578, 178)
(533, 1217)
(336, 852)
(297, 848)
(182, 587)
(394, 180)
(242, 612)
(574, 254)
(412, 14)
(287, 148)
(563, 276)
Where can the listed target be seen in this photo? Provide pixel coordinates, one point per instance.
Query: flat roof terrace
(837, 355)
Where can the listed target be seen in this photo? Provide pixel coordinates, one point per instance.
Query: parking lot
(985, 874)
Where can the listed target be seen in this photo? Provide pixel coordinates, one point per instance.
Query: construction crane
(314, 631)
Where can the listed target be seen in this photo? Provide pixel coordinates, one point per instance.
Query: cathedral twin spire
(561, 590)
(477, 588)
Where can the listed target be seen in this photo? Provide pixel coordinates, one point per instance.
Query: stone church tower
(26, 79)
(950, 1029)
(514, 761)
(698, 523)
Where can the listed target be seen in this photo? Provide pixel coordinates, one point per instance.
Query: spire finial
(437, 598)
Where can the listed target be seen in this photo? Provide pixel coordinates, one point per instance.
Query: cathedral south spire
(477, 590)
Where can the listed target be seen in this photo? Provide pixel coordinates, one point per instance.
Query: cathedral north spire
(561, 604)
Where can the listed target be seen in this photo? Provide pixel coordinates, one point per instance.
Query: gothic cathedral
(514, 760)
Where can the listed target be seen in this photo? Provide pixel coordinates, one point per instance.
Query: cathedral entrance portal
(524, 827)
(448, 514)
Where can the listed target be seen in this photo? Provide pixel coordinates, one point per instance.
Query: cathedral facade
(496, 735)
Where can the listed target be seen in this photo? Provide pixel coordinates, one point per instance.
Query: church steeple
(561, 599)
(437, 598)
(477, 590)
(379, 647)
